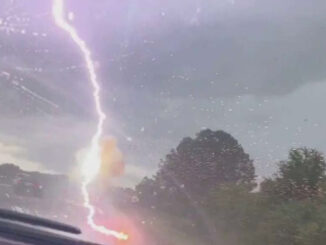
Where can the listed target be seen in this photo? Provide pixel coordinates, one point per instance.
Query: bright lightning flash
(92, 162)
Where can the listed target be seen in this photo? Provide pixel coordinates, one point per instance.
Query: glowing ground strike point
(92, 162)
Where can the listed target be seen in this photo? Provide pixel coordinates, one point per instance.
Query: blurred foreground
(205, 192)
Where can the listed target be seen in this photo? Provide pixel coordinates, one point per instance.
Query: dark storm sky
(255, 69)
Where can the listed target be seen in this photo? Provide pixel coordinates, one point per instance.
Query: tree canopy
(204, 188)
(199, 164)
(299, 177)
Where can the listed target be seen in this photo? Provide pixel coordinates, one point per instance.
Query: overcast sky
(253, 68)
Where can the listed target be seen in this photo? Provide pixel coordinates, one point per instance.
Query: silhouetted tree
(198, 165)
(189, 172)
(301, 176)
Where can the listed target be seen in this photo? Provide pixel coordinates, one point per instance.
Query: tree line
(205, 189)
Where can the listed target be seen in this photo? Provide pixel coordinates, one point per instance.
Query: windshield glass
(166, 122)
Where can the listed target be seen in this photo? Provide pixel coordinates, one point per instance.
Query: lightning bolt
(92, 162)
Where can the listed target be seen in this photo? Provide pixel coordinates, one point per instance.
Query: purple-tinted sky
(255, 69)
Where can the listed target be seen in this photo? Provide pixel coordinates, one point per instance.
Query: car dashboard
(18, 228)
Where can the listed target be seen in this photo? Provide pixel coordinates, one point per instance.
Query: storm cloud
(168, 69)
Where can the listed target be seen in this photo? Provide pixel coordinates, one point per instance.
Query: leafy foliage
(204, 188)
(300, 177)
